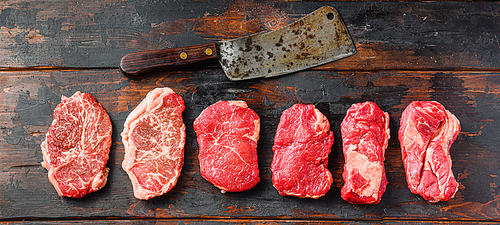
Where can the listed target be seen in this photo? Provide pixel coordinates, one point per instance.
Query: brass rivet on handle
(183, 55)
(208, 51)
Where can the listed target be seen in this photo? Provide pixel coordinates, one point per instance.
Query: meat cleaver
(315, 39)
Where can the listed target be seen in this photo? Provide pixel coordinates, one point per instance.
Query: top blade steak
(365, 136)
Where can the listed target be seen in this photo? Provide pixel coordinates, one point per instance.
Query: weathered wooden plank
(239, 221)
(28, 98)
(388, 35)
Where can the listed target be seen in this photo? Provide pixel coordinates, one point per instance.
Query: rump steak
(365, 136)
(76, 148)
(154, 136)
(228, 132)
(301, 146)
(426, 134)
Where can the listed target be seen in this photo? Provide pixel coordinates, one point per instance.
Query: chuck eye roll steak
(427, 131)
(365, 136)
(227, 134)
(76, 148)
(154, 136)
(301, 147)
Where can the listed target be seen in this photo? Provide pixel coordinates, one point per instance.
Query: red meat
(301, 146)
(76, 148)
(154, 136)
(228, 132)
(365, 136)
(426, 134)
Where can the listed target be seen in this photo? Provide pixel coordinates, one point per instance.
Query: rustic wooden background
(443, 51)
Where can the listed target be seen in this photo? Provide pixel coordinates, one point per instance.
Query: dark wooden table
(443, 51)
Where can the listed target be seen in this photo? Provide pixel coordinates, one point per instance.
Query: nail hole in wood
(329, 16)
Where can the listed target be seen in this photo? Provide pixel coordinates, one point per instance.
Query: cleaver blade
(318, 38)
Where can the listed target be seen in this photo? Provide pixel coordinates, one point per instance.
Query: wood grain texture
(239, 221)
(29, 98)
(139, 63)
(388, 35)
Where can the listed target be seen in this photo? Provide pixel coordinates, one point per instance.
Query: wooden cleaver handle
(137, 63)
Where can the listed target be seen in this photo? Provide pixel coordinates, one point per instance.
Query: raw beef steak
(365, 136)
(426, 134)
(301, 146)
(76, 148)
(154, 136)
(228, 132)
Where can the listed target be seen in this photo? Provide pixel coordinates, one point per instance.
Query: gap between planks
(319, 68)
(242, 220)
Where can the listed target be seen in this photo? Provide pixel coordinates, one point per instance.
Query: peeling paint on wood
(443, 51)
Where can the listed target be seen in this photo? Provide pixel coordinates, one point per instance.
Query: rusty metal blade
(318, 38)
